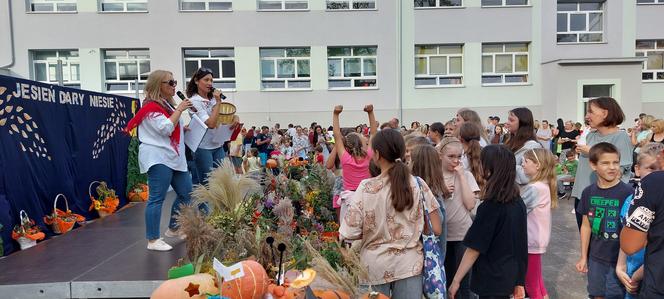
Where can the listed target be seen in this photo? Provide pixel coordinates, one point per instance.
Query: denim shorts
(603, 281)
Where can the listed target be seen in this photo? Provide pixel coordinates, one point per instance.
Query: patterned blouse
(391, 248)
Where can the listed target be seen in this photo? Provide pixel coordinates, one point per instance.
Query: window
(580, 22)
(285, 68)
(649, 1)
(437, 3)
(351, 4)
(595, 91)
(438, 65)
(52, 5)
(220, 61)
(124, 5)
(505, 2)
(504, 63)
(351, 67)
(283, 4)
(123, 67)
(206, 5)
(653, 67)
(45, 67)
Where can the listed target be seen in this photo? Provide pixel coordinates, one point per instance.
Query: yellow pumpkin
(304, 279)
(188, 287)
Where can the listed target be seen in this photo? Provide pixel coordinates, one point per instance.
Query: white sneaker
(175, 234)
(159, 245)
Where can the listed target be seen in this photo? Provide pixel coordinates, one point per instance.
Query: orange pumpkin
(271, 163)
(253, 285)
(193, 286)
(139, 193)
(330, 294)
(374, 295)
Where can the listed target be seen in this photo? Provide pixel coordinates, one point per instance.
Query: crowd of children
(489, 193)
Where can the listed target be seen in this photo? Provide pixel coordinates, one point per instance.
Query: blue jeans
(205, 160)
(603, 281)
(159, 178)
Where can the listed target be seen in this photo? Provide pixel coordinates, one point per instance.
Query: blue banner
(57, 140)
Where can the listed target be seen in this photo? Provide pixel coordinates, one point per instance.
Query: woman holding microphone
(161, 153)
(206, 101)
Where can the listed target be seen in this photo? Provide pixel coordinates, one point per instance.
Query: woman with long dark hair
(497, 241)
(520, 124)
(386, 214)
(206, 99)
(161, 153)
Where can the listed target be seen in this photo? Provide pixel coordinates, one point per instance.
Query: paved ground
(560, 276)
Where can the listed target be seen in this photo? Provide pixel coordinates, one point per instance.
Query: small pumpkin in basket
(139, 193)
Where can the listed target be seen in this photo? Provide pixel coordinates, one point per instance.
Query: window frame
(504, 75)
(655, 2)
(283, 5)
(67, 62)
(578, 34)
(141, 82)
(438, 6)
(658, 47)
(504, 4)
(207, 6)
(275, 62)
(350, 5)
(220, 78)
(54, 5)
(124, 6)
(342, 71)
(438, 77)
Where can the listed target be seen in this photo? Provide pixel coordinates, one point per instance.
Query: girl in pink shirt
(540, 197)
(355, 153)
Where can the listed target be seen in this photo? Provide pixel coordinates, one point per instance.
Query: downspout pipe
(11, 36)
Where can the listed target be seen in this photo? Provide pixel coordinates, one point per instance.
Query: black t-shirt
(499, 234)
(571, 135)
(647, 215)
(602, 206)
(263, 148)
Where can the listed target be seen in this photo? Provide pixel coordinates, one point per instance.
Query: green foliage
(134, 175)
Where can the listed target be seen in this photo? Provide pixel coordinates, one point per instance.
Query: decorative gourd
(271, 163)
(189, 287)
(330, 294)
(253, 285)
(304, 279)
(139, 193)
(374, 295)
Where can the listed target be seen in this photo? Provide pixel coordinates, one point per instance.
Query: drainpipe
(11, 36)
(400, 60)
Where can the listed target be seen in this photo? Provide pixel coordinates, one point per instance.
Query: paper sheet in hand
(228, 273)
(197, 130)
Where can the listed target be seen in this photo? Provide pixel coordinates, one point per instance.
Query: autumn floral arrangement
(106, 201)
(26, 233)
(283, 222)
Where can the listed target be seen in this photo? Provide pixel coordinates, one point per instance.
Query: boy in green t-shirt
(566, 171)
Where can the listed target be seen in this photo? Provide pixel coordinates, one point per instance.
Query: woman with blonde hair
(161, 153)
(657, 134)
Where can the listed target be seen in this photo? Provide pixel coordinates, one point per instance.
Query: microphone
(223, 97)
(182, 97)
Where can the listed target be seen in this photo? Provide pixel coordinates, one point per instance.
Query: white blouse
(214, 138)
(154, 134)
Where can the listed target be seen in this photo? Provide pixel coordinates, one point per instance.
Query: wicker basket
(24, 242)
(62, 221)
(226, 113)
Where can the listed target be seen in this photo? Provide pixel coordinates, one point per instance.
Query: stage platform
(106, 258)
